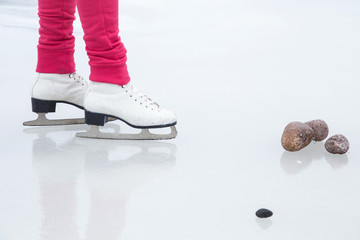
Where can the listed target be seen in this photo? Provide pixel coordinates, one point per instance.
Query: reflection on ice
(264, 223)
(110, 178)
(336, 161)
(295, 162)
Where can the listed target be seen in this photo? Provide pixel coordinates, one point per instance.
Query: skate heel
(98, 119)
(43, 106)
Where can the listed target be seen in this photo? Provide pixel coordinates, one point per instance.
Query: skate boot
(128, 104)
(50, 89)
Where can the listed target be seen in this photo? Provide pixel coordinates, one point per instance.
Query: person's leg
(56, 42)
(111, 93)
(56, 80)
(100, 22)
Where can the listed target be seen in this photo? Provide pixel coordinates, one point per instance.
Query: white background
(235, 73)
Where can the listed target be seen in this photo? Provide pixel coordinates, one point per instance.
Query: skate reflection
(295, 162)
(91, 178)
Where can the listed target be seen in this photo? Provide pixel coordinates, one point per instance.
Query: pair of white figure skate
(102, 102)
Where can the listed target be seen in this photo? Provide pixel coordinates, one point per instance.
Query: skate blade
(145, 134)
(43, 121)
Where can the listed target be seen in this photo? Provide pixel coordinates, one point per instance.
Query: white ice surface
(235, 72)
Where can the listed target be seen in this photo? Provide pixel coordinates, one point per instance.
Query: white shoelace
(140, 97)
(78, 78)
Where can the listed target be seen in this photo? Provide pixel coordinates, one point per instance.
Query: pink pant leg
(56, 42)
(107, 54)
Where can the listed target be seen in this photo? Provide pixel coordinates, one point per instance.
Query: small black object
(263, 213)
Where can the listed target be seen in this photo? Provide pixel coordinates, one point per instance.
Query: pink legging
(100, 22)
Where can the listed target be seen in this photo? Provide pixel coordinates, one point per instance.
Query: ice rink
(235, 73)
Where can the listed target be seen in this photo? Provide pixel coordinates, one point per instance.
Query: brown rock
(296, 136)
(337, 144)
(321, 129)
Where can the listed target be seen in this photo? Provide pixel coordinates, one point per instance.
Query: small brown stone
(337, 144)
(296, 136)
(321, 129)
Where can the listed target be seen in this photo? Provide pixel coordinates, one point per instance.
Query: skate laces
(78, 78)
(139, 96)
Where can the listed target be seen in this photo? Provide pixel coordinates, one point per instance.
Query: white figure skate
(50, 89)
(128, 104)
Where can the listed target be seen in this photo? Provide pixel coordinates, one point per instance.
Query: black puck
(263, 213)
